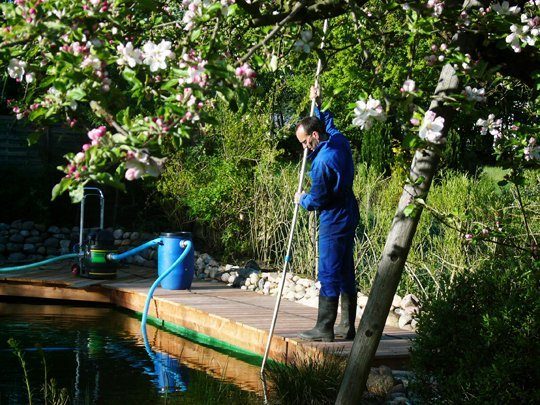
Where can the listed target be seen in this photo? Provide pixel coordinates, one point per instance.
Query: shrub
(478, 342)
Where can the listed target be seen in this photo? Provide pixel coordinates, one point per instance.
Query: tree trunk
(396, 249)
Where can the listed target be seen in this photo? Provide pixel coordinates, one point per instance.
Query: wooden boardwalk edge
(212, 315)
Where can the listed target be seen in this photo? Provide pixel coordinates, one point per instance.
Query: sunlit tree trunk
(398, 244)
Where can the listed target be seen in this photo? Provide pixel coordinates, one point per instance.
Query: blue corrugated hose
(42, 263)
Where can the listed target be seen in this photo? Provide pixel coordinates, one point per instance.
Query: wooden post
(396, 249)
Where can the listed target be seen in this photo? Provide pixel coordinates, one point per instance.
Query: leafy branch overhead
(141, 77)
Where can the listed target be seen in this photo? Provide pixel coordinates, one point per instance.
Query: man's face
(309, 141)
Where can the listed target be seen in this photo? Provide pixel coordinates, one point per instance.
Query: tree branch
(298, 6)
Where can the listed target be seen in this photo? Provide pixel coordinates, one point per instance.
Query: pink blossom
(468, 236)
(86, 146)
(97, 133)
(133, 174)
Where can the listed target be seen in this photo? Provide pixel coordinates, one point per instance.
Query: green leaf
(77, 193)
(411, 141)
(76, 94)
(409, 210)
(60, 188)
(33, 138)
(195, 34)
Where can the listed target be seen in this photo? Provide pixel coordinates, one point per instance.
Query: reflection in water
(96, 353)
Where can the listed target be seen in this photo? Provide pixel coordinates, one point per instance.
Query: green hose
(42, 263)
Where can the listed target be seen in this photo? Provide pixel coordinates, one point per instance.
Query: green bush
(478, 342)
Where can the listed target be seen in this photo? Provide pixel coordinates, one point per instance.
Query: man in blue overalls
(331, 194)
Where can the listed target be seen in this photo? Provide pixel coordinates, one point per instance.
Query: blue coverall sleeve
(321, 188)
(328, 120)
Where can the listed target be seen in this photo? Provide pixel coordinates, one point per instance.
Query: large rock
(51, 243)
(16, 257)
(17, 224)
(392, 320)
(64, 246)
(410, 300)
(53, 229)
(14, 247)
(380, 382)
(134, 236)
(118, 234)
(27, 225)
(25, 233)
(29, 248)
(404, 319)
(17, 238)
(40, 227)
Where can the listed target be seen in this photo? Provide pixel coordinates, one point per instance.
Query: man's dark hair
(311, 124)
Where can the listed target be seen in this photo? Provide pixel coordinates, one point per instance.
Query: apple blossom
(520, 35)
(532, 150)
(367, 111)
(91, 61)
(505, 9)
(129, 55)
(474, 94)
(304, 44)
(431, 128)
(16, 69)
(156, 56)
(490, 125)
(408, 86)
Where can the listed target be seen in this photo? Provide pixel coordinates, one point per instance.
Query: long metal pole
(288, 257)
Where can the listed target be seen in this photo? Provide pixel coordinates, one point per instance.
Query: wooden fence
(49, 149)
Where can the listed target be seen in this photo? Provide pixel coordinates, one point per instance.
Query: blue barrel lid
(185, 235)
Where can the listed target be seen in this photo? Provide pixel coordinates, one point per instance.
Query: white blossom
(408, 86)
(16, 69)
(141, 163)
(505, 8)
(129, 55)
(156, 56)
(532, 150)
(520, 35)
(474, 94)
(431, 128)
(304, 44)
(367, 111)
(437, 6)
(91, 61)
(491, 125)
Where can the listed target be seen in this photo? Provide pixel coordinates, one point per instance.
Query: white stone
(318, 285)
(299, 295)
(414, 324)
(362, 301)
(306, 282)
(404, 319)
(396, 302)
(243, 287)
(254, 277)
(228, 267)
(251, 288)
(213, 263)
(300, 289)
(247, 282)
(213, 272)
(267, 285)
(290, 296)
(231, 279)
(410, 300)
(392, 320)
(295, 278)
(225, 277)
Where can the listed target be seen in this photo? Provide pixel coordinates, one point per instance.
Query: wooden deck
(211, 311)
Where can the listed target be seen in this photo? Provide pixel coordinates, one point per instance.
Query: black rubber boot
(326, 318)
(346, 328)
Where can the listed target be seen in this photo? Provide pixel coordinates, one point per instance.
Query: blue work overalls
(332, 173)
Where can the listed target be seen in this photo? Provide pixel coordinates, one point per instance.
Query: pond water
(98, 356)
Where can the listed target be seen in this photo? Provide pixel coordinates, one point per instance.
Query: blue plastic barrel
(182, 276)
